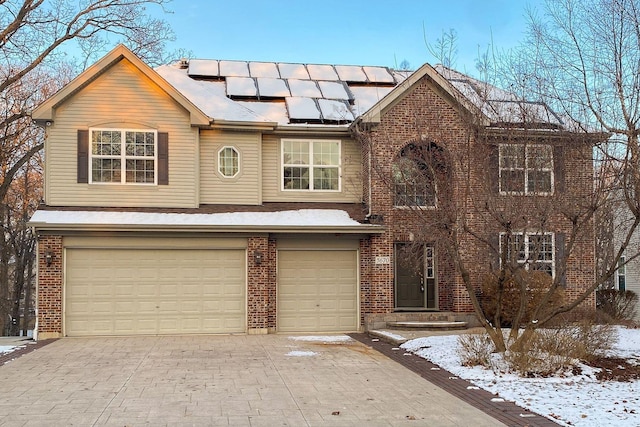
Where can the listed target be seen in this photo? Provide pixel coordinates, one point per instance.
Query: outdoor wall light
(48, 257)
(257, 257)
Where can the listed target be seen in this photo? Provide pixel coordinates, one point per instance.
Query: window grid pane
(118, 154)
(311, 165)
(526, 169)
(228, 162)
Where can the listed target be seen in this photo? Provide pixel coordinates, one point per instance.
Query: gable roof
(290, 95)
(46, 111)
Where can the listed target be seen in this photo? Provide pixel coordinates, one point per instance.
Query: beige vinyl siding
(351, 181)
(242, 189)
(122, 97)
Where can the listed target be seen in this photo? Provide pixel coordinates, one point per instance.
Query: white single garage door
(317, 290)
(154, 292)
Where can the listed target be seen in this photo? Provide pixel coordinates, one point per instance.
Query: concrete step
(428, 325)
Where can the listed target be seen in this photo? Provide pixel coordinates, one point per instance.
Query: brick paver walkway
(504, 411)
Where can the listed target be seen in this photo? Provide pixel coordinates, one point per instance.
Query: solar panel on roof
(306, 88)
(263, 69)
(293, 71)
(234, 69)
(333, 90)
(302, 108)
(322, 72)
(272, 87)
(351, 73)
(378, 75)
(335, 110)
(203, 67)
(241, 86)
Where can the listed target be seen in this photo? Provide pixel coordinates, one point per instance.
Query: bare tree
(43, 45)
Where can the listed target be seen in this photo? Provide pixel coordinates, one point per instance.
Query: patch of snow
(299, 353)
(391, 335)
(322, 339)
(7, 348)
(302, 217)
(568, 399)
(209, 96)
(367, 96)
(203, 67)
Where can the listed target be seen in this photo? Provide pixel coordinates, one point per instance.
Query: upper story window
(534, 251)
(526, 169)
(312, 165)
(621, 273)
(414, 173)
(228, 162)
(123, 156)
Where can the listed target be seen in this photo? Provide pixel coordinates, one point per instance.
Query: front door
(415, 281)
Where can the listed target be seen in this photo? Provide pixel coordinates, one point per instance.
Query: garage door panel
(128, 292)
(317, 290)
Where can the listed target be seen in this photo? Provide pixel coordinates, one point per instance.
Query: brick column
(49, 287)
(258, 286)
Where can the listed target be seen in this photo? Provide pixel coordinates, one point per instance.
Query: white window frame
(621, 272)
(526, 261)
(123, 157)
(222, 174)
(310, 165)
(526, 170)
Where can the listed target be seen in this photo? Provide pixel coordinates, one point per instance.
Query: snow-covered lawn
(571, 400)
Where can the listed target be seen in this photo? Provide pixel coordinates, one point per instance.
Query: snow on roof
(293, 218)
(286, 93)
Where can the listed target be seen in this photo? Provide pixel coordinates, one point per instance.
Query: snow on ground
(322, 339)
(300, 353)
(7, 348)
(571, 400)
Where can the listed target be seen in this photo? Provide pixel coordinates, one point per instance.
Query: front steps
(434, 325)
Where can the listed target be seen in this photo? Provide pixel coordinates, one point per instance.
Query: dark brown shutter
(560, 261)
(494, 169)
(163, 158)
(83, 156)
(558, 167)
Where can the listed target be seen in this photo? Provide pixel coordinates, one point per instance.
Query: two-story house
(213, 196)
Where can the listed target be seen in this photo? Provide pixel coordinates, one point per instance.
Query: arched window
(414, 175)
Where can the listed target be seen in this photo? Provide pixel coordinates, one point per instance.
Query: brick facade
(49, 308)
(425, 115)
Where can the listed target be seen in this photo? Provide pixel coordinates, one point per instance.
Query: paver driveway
(243, 380)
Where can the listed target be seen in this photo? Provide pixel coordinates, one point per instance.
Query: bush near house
(537, 284)
(619, 304)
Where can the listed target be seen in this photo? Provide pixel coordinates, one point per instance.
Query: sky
(346, 32)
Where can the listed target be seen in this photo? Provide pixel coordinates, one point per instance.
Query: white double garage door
(124, 286)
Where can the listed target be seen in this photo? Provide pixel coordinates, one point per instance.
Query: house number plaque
(383, 260)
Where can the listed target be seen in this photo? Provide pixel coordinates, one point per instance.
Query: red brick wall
(50, 286)
(424, 115)
(258, 283)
